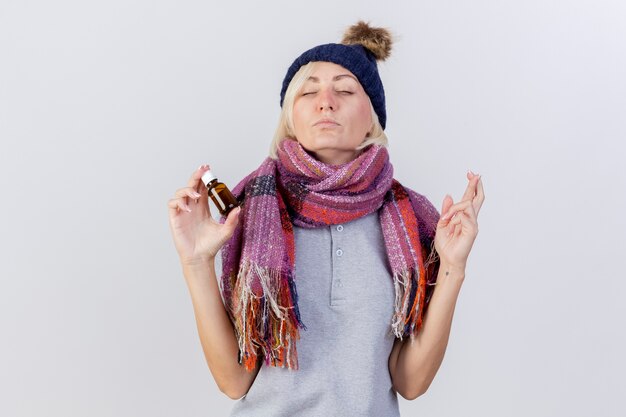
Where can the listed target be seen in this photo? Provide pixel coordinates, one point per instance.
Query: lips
(326, 123)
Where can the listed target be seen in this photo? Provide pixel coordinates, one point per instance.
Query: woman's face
(331, 114)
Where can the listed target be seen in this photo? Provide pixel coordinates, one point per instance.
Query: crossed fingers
(466, 211)
(475, 193)
(456, 211)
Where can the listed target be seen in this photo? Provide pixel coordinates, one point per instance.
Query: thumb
(233, 218)
(447, 203)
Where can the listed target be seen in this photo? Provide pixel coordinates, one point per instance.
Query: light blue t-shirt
(345, 296)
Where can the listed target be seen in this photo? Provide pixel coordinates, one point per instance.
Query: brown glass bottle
(223, 199)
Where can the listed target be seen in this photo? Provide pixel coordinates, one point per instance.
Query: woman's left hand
(458, 226)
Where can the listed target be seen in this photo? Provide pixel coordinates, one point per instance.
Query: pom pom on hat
(361, 47)
(376, 40)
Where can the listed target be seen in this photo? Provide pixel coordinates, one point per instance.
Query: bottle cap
(207, 177)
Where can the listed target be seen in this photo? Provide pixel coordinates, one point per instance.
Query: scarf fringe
(266, 322)
(410, 289)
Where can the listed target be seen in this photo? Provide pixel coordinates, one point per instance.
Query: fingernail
(195, 194)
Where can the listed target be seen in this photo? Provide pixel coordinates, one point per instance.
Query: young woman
(329, 264)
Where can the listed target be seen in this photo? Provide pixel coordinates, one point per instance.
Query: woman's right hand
(197, 236)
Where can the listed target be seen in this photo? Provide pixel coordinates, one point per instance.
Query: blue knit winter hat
(358, 52)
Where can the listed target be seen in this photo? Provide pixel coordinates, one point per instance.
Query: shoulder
(425, 211)
(260, 181)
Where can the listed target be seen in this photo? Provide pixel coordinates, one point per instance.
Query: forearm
(216, 331)
(419, 359)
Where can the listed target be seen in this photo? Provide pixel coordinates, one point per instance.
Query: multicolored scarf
(258, 285)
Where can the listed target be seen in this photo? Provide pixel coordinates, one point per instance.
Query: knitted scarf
(258, 285)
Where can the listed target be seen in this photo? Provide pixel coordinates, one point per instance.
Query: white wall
(107, 107)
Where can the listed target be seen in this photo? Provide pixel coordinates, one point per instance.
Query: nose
(326, 100)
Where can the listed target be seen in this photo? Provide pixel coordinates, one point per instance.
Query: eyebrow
(336, 78)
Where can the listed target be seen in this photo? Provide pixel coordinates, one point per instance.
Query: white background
(106, 108)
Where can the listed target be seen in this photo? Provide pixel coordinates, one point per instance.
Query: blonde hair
(285, 122)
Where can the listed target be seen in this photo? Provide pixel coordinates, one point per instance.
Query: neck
(334, 157)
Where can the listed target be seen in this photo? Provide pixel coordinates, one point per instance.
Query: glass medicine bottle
(223, 199)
